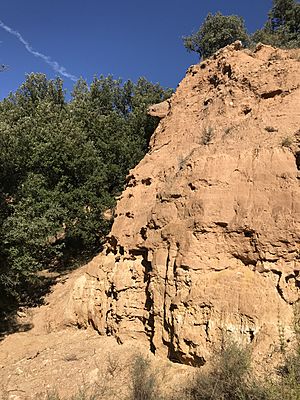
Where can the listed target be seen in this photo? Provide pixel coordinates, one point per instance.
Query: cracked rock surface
(206, 239)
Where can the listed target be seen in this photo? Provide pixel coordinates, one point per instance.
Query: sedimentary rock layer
(205, 241)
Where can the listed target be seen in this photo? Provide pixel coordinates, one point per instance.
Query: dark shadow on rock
(16, 316)
(11, 323)
(32, 293)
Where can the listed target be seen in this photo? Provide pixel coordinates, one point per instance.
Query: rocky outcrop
(206, 236)
(160, 110)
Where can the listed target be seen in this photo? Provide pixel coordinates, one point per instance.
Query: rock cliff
(206, 236)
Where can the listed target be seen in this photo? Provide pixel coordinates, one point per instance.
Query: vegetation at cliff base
(229, 377)
(62, 164)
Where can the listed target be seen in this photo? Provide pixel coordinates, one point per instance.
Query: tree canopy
(282, 28)
(62, 164)
(217, 31)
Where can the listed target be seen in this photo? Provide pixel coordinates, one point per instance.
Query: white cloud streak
(53, 64)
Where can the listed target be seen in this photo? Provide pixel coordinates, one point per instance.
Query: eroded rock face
(206, 235)
(160, 110)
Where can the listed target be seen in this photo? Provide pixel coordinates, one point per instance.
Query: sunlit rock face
(205, 241)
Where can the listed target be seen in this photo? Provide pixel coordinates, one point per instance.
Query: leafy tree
(283, 26)
(63, 163)
(216, 32)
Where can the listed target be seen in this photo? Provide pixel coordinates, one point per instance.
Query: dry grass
(230, 378)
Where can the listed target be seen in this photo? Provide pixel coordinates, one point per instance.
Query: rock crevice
(205, 241)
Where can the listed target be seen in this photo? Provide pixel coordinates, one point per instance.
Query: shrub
(288, 385)
(207, 135)
(144, 384)
(229, 378)
(287, 142)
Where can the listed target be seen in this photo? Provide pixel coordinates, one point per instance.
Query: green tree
(63, 163)
(282, 28)
(216, 32)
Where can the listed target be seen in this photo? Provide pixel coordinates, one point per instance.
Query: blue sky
(127, 39)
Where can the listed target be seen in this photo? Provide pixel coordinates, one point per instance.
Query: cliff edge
(206, 236)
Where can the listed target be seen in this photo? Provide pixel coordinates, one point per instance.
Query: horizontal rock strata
(205, 241)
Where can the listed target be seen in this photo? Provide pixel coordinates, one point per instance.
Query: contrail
(53, 64)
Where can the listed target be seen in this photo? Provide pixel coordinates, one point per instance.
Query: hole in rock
(143, 233)
(214, 80)
(193, 360)
(112, 292)
(146, 181)
(227, 70)
(192, 187)
(148, 268)
(207, 101)
(247, 110)
(173, 306)
(175, 196)
(297, 158)
(222, 224)
(288, 277)
(184, 267)
(140, 251)
(130, 181)
(272, 93)
(251, 336)
(113, 245)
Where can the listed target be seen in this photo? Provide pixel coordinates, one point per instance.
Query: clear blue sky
(125, 38)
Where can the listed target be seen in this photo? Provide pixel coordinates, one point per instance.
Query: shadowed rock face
(205, 241)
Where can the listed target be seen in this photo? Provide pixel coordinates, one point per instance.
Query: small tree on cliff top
(216, 32)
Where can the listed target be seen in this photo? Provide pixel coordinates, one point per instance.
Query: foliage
(287, 141)
(144, 385)
(283, 26)
(282, 29)
(287, 385)
(216, 32)
(207, 135)
(229, 379)
(62, 164)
